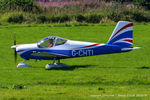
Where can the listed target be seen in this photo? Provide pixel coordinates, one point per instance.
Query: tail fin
(122, 34)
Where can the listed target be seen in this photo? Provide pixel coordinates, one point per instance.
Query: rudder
(122, 34)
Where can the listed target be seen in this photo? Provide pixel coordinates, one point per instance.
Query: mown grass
(117, 74)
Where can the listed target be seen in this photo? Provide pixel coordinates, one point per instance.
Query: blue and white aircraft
(56, 48)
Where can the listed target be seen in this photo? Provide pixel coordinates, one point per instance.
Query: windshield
(60, 41)
(51, 42)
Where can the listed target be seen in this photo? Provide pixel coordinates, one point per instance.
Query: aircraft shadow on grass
(143, 67)
(73, 67)
(111, 67)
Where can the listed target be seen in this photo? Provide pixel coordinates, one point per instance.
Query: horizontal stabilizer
(136, 48)
(128, 49)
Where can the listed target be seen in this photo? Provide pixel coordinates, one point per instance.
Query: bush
(42, 19)
(20, 5)
(129, 15)
(54, 19)
(93, 18)
(64, 18)
(115, 16)
(144, 3)
(16, 18)
(60, 19)
(80, 18)
(139, 17)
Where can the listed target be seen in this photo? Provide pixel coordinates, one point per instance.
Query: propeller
(15, 53)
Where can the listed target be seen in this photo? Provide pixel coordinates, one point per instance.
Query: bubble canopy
(51, 41)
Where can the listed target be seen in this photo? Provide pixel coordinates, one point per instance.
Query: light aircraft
(56, 48)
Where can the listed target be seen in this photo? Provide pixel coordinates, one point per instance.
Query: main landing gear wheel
(56, 65)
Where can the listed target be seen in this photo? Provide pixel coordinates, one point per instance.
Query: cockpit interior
(51, 41)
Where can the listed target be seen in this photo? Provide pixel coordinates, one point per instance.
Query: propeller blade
(15, 53)
(15, 56)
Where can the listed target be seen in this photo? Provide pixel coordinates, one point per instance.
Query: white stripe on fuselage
(71, 45)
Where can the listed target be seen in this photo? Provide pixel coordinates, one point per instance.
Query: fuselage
(70, 49)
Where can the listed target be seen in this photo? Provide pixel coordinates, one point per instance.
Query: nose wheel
(22, 64)
(56, 65)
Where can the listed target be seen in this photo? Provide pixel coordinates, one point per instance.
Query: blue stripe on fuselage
(27, 54)
(105, 49)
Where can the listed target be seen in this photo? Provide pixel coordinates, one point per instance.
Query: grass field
(123, 76)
